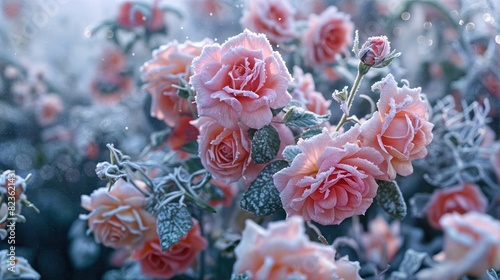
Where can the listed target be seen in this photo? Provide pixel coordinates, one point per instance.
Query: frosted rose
(304, 91)
(21, 270)
(381, 242)
(331, 180)
(328, 34)
(347, 270)
(375, 50)
(133, 15)
(461, 199)
(14, 185)
(164, 264)
(226, 152)
(118, 218)
(471, 242)
(274, 18)
(400, 129)
(48, 107)
(240, 80)
(169, 64)
(282, 251)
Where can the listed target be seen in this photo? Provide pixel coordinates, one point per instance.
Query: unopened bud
(375, 51)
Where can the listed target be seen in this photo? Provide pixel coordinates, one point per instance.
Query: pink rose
(118, 218)
(471, 246)
(375, 50)
(240, 81)
(133, 15)
(164, 264)
(461, 199)
(282, 252)
(347, 270)
(382, 242)
(48, 107)
(304, 91)
(328, 34)
(170, 63)
(274, 18)
(226, 152)
(331, 180)
(400, 129)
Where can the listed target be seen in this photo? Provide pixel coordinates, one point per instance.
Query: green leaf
(412, 261)
(265, 144)
(242, 276)
(290, 152)
(296, 116)
(262, 198)
(390, 198)
(276, 111)
(311, 132)
(191, 147)
(174, 221)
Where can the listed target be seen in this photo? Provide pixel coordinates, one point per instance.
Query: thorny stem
(318, 232)
(352, 93)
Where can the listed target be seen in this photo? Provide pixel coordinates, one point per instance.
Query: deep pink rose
(331, 180)
(283, 251)
(461, 199)
(170, 63)
(328, 34)
(240, 80)
(275, 18)
(118, 218)
(400, 129)
(164, 264)
(304, 91)
(375, 50)
(226, 152)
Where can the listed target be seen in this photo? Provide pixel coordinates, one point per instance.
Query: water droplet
(182, 27)
(126, 128)
(133, 54)
(215, 39)
(470, 26)
(87, 33)
(488, 18)
(497, 39)
(430, 42)
(277, 46)
(427, 25)
(211, 14)
(405, 16)
(461, 22)
(454, 13)
(110, 34)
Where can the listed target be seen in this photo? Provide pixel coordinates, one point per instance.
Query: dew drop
(427, 25)
(497, 39)
(405, 16)
(470, 26)
(110, 34)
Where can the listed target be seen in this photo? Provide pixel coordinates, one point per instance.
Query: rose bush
(331, 180)
(240, 80)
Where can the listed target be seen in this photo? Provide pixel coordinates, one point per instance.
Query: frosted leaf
(412, 261)
(174, 222)
(311, 133)
(265, 144)
(296, 116)
(242, 276)
(290, 152)
(262, 198)
(390, 198)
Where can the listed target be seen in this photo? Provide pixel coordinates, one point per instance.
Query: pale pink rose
(164, 264)
(282, 251)
(462, 198)
(347, 270)
(240, 80)
(471, 246)
(381, 242)
(226, 152)
(400, 129)
(169, 64)
(48, 107)
(375, 50)
(304, 91)
(117, 217)
(331, 180)
(328, 34)
(274, 18)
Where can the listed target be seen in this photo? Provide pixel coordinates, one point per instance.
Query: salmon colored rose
(133, 15)
(274, 18)
(331, 180)
(328, 34)
(169, 64)
(400, 129)
(304, 91)
(117, 217)
(240, 80)
(283, 251)
(381, 242)
(165, 264)
(347, 270)
(374, 51)
(461, 199)
(226, 152)
(471, 246)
